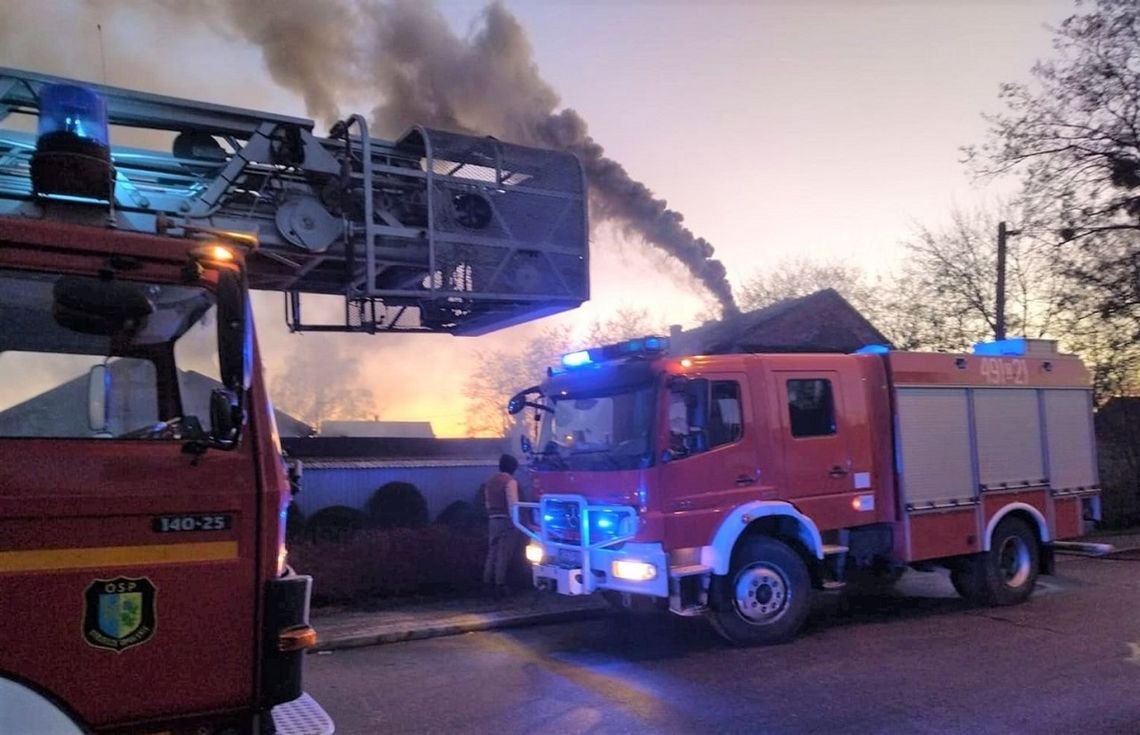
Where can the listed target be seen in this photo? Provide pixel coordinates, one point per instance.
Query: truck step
(689, 570)
(1083, 548)
(833, 585)
(691, 611)
(834, 549)
(302, 716)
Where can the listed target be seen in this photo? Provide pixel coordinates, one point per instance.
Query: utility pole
(999, 318)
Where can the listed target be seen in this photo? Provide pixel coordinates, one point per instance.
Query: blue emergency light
(77, 111)
(638, 347)
(1001, 348)
(73, 156)
(576, 359)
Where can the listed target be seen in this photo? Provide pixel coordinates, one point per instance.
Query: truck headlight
(535, 553)
(636, 571)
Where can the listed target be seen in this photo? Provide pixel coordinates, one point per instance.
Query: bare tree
(1074, 137)
(626, 322)
(499, 375)
(944, 296)
(308, 390)
(799, 277)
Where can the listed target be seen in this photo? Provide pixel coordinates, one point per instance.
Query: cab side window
(811, 408)
(706, 415)
(724, 424)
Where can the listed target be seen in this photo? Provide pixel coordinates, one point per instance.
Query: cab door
(818, 438)
(711, 458)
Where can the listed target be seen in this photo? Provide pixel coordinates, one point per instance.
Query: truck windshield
(598, 431)
(158, 343)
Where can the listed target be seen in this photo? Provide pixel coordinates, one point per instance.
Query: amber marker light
(297, 639)
(219, 253)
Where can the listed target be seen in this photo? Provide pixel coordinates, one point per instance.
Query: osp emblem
(119, 613)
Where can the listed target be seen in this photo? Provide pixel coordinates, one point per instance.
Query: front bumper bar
(585, 566)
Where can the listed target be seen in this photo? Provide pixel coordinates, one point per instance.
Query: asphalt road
(914, 661)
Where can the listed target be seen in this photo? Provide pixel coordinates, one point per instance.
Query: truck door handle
(838, 471)
(745, 480)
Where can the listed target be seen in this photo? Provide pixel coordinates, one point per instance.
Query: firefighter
(500, 492)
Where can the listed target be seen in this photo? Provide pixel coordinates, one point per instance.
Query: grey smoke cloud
(308, 46)
(491, 83)
(404, 53)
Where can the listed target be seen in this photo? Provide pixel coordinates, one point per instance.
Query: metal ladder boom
(436, 231)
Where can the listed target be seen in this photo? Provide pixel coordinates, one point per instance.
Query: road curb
(469, 623)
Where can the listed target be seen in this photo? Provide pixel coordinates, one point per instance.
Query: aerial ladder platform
(434, 232)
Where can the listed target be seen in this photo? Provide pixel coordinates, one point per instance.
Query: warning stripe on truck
(44, 560)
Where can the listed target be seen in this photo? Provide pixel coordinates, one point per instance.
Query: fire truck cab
(736, 485)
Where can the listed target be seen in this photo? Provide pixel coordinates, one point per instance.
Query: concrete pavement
(915, 660)
(448, 616)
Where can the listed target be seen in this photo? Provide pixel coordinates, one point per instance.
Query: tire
(765, 597)
(881, 578)
(963, 583)
(1007, 573)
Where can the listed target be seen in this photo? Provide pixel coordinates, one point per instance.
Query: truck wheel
(1012, 563)
(881, 578)
(963, 583)
(1004, 575)
(766, 595)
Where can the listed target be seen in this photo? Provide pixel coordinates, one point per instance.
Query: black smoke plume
(404, 53)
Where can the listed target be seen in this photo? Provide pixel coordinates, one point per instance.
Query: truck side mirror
(98, 392)
(519, 400)
(234, 340)
(225, 417)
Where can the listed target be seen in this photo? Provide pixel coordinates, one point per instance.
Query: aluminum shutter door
(934, 443)
(1068, 430)
(1009, 437)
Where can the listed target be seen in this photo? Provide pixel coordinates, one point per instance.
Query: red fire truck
(144, 583)
(734, 486)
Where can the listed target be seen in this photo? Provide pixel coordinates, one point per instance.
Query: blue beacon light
(576, 359)
(73, 156)
(74, 110)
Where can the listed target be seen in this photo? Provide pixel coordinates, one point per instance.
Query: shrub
(391, 562)
(335, 524)
(294, 524)
(398, 505)
(461, 517)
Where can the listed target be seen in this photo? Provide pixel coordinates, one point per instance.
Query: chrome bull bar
(626, 518)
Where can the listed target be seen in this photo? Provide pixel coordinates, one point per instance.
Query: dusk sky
(824, 130)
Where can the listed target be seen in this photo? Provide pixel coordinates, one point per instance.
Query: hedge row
(393, 505)
(391, 562)
(400, 562)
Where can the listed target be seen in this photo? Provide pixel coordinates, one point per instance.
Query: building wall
(325, 484)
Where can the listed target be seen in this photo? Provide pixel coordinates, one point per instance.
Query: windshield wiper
(603, 452)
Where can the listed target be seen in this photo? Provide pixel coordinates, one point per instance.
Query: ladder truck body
(144, 579)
